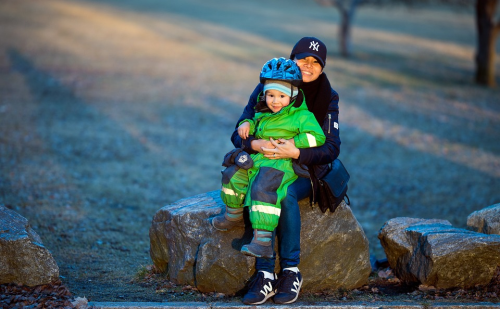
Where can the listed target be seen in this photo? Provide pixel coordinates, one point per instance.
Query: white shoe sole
(246, 252)
(271, 294)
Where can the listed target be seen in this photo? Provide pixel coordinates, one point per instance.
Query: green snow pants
(261, 188)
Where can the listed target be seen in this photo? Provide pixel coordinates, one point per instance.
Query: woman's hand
(259, 144)
(282, 149)
(243, 130)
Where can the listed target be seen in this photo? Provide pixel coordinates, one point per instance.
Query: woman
(310, 55)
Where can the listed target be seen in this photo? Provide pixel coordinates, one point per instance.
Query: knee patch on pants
(266, 184)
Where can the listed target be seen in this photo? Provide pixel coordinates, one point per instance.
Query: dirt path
(112, 109)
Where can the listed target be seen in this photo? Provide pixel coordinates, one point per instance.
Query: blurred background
(110, 110)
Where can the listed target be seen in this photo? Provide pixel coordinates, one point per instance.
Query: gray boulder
(23, 258)
(334, 248)
(486, 220)
(434, 253)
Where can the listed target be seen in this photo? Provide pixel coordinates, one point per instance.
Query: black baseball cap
(310, 46)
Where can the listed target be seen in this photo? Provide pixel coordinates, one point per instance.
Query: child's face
(276, 100)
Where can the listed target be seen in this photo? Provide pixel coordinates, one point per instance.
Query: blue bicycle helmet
(281, 69)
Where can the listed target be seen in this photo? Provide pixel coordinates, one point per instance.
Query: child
(281, 113)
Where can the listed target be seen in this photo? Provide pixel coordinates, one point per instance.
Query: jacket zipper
(329, 122)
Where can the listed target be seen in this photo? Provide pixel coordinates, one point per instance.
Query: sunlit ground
(110, 110)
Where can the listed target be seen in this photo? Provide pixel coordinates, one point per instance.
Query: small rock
(434, 253)
(80, 303)
(23, 258)
(486, 220)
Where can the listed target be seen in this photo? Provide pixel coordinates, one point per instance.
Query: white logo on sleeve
(314, 45)
(336, 125)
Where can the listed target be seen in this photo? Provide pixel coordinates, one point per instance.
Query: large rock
(23, 258)
(434, 253)
(486, 220)
(334, 248)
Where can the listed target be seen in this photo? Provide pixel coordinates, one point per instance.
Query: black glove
(230, 156)
(239, 157)
(243, 160)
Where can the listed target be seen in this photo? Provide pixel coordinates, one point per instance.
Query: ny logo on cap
(314, 46)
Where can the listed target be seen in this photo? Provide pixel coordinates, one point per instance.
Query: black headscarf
(318, 94)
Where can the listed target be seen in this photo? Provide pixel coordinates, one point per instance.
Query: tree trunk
(487, 32)
(346, 20)
(345, 34)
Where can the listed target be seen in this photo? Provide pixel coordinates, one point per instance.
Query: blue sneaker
(261, 289)
(288, 287)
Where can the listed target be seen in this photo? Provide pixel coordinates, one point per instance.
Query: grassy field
(111, 109)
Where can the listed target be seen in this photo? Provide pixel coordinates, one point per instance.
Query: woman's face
(310, 69)
(276, 100)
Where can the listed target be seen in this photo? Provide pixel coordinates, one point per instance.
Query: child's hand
(243, 130)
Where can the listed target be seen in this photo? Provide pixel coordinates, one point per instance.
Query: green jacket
(269, 179)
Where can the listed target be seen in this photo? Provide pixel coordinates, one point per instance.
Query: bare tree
(487, 25)
(347, 9)
(487, 32)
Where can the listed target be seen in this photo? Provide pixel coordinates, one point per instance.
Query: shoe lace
(284, 282)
